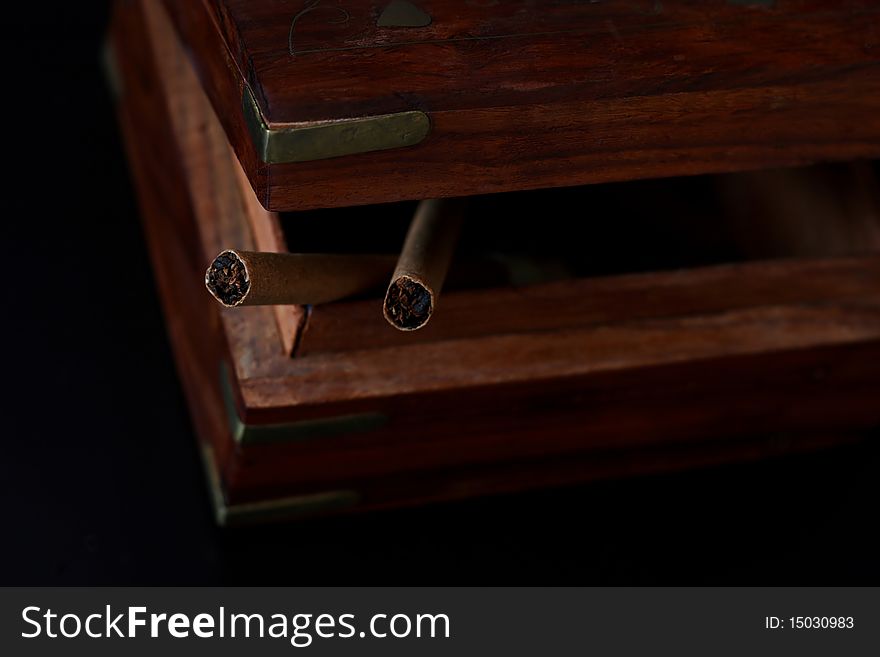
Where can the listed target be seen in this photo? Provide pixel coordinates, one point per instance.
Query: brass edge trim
(110, 67)
(215, 488)
(321, 140)
(301, 431)
(279, 509)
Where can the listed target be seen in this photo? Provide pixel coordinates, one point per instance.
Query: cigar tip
(409, 304)
(227, 279)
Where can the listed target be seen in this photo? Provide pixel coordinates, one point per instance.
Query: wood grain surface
(529, 94)
(659, 371)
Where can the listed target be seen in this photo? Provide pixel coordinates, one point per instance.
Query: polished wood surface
(531, 94)
(589, 303)
(653, 372)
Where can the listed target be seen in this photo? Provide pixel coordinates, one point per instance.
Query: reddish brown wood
(267, 236)
(528, 94)
(439, 485)
(658, 371)
(584, 303)
(182, 170)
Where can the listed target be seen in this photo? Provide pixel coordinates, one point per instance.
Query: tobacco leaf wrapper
(249, 278)
(424, 262)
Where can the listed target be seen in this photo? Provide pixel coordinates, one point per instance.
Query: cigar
(423, 264)
(249, 278)
(822, 210)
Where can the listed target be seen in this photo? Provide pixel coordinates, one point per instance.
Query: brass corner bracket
(321, 140)
(297, 431)
(274, 510)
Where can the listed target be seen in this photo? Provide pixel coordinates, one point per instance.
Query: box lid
(343, 102)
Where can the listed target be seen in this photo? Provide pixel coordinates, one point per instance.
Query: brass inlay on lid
(400, 13)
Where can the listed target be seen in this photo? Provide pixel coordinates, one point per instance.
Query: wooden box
(682, 331)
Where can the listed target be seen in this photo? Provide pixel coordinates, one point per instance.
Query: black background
(100, 481)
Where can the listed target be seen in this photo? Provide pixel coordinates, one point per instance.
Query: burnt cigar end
(227, 279)
(408, 304)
